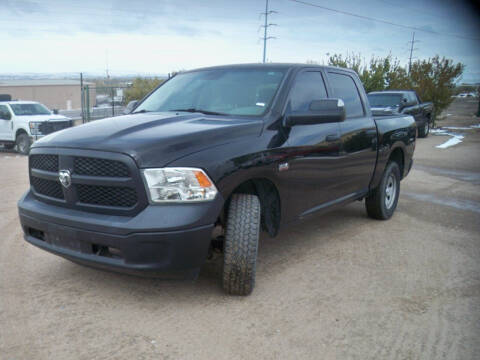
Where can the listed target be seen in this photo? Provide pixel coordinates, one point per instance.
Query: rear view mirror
(320, 112)
(55, 111)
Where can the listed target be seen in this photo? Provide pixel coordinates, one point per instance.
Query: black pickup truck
(391, 102)
(228, 150)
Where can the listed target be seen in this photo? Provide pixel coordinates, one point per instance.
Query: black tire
(23, 144)
(379, 204)
(424, 130)
(241, 244)
(9, 146)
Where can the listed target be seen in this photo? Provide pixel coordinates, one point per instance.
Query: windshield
(384, 100)
(222, 91)
(29, 109)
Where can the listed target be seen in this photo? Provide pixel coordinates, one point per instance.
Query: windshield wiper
(193, 110)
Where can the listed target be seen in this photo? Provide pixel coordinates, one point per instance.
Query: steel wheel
(390, 191)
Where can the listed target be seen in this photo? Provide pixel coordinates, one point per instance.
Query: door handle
(332, 137)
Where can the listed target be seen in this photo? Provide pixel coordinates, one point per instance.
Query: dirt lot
(336, 287)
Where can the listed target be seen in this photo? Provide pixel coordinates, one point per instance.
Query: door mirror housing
(5, 116)
(130, 107)
(55, 111)
(406, 103)
(320, 112)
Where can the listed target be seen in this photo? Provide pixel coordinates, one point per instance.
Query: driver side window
(308, 86)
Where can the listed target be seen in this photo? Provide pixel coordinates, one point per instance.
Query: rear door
(358, 152)
(312, 149)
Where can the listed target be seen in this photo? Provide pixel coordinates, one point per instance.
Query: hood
(154, 139)
(388, 110)
(51, 117)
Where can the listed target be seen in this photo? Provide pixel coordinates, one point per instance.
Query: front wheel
(382, 202)
(241, 244)
(23, 144)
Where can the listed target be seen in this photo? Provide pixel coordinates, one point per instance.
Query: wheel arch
(19, 131)
(270, 201)
(398, 155)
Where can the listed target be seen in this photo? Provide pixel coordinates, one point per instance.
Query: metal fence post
(87, 93)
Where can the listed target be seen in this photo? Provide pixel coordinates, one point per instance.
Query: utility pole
(82, 98)
(265, 30)
(412, 43)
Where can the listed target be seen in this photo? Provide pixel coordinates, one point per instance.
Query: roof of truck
(270, 66)
(18, 102)
(391, 92)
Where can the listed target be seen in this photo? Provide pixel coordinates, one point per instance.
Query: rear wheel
(23, 143)
(424, 130)
(382, 202)
(241, 244)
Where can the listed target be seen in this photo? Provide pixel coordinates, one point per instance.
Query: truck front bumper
(169, 241)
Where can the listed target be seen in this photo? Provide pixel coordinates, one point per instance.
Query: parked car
(403, 102)
(23, 122)
(228, 150)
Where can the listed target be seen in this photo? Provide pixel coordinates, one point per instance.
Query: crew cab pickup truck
(23, 122)
(385, 103)
(208, 160)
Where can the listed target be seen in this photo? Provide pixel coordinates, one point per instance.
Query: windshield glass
(29, 109)
(384, 100)
(224, 91)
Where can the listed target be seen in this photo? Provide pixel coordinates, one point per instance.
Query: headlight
(34, 128)
(178, 185)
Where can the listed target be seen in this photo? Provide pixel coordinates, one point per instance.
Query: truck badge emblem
(65, 178)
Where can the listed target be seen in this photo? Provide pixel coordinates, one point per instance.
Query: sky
(161, 36)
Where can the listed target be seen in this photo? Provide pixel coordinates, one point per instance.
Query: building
(55, 94)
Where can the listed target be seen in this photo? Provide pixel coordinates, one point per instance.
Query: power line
(382, 21)
(265, 29)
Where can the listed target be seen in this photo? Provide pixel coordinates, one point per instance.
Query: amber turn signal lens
(202, 179)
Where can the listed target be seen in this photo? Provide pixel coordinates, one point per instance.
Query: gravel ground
(340, 286)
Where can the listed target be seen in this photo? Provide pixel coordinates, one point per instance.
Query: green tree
(434, 80)
(140, 88)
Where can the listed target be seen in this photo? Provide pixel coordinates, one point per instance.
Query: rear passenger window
(344, 88)
(309, 86)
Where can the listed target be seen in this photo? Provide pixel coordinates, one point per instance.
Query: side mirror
(130, 107)
(55, 111)
(5, 116)
(406, 103)
(320, 112)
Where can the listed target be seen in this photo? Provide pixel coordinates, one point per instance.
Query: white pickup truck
(23, 122)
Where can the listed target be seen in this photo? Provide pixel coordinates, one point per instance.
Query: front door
(312, 175)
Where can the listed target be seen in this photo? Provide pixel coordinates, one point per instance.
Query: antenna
(265, 29)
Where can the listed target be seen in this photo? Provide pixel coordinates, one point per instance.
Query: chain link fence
(98, 102)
